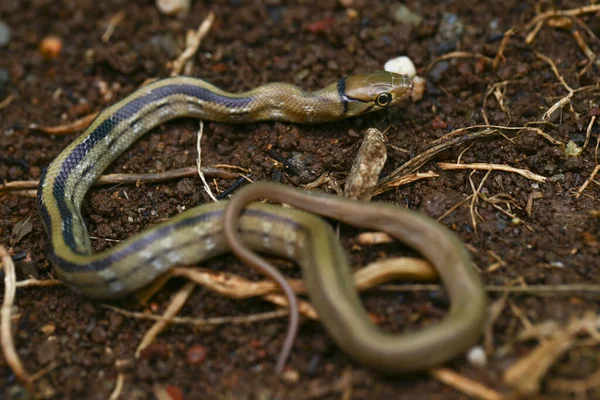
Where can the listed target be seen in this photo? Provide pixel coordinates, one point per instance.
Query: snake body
(198, 234)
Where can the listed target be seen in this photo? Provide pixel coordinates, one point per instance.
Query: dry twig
(151, 177)
(66, 128)
(526, 374)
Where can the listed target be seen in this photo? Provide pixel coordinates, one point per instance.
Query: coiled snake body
(199, 234)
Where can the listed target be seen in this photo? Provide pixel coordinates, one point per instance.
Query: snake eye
(383, 99)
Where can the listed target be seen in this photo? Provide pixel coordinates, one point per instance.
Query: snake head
(373, 91)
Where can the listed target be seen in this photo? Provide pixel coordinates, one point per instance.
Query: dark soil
(310, 44)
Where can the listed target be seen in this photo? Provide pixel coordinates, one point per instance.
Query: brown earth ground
(538, 234)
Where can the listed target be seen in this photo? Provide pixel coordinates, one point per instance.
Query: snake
(202, 232)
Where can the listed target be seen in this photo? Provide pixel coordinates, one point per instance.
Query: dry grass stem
(7, 100)
(562, 13)
(458, 54)
(39, 283)
(498, 90)
(405, 180)
(494, 311)
(577, 386)
(199, 164)
(116, 393)
(493, 167)
(112, 25)
(534, 32)
(200, 322)
(173, 308)
(465, 385)
(527, 373)
(587, 182)
(474, 197)
(304, 308)
(588, 132)
(538, 290)
(6, 338)
(193, 40)
(454, 139)
(500, 53)
(596, 149)
(453, 208)
(563, 101)
(160, 392)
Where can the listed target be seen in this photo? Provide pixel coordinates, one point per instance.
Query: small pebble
(290, 376)
(4, 34)
(48, 329)
(436, 73)
(155, 351)
(115, 322)
(557, 178)
(174, 392)
(476, 356)
(352, 13)
(47, 352)
(173, 7)
(449, 33)
(404, 15)
(401, 65)
(196, 354)
(438, 123)
(579, 139)
(98, 335)
(50, 47)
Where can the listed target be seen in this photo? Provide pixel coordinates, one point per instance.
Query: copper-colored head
(374, 91)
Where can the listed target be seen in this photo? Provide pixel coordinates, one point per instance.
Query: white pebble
(401, 65)
(173, 7)
(476, 356)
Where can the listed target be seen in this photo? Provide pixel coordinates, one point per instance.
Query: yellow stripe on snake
(209, 230)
